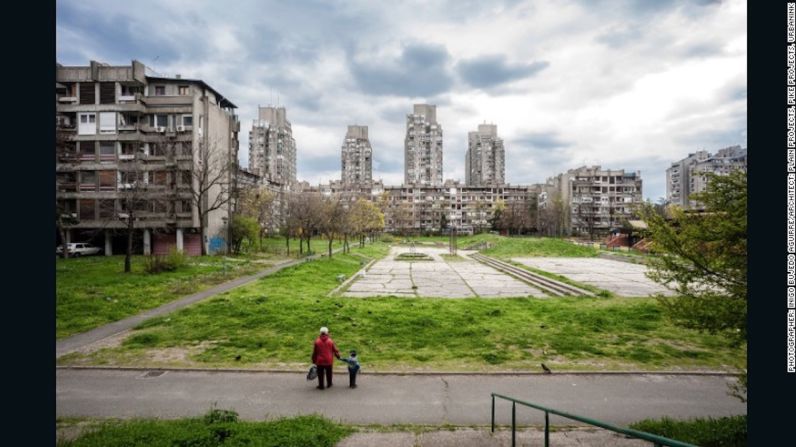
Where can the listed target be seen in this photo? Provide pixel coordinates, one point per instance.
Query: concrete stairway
(547, 285)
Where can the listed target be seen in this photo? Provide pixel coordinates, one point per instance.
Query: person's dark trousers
(324, 369)
(352, 379)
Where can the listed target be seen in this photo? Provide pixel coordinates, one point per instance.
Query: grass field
(92, 291)
(507, 247)
(272, 322)
(216, 428)
(706, 432)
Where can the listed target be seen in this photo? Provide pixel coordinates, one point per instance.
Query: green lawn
(707, 432)
(92, 291)
(507, 247)
(272, 323)
(216, 428)
(276, 245)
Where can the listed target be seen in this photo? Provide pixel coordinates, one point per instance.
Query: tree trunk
(65, 252)
(330, 247)
(202, 234)
(301, 245)
(309, 248)
(129, 255)
(287, 243)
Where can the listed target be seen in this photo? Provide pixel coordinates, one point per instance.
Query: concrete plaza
(621, 278)
(437, 278)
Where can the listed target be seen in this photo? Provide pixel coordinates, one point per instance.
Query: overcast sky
(630, 84)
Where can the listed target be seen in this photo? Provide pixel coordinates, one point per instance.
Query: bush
(387, 238)
(168, 263)
(709, 432)
(215, 416)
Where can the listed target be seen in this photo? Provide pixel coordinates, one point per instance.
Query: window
(184, 90)
(107, 151)
(107, 122)
(187, 120)
(127, 178)
(107, 92)
(88, 124)
(186, 206)
(87, 207)
(160, 178)
(107, 180)
(107, 209)
(129, 148)
(185, 178)
(162, 120)
(87, 150)
(160, 90)
(131, 90)
(87, 93)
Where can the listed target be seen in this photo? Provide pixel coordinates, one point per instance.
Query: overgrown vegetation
(271, 323)
(217, 427)
(165, 263)
(93, 291)
(704, 432)
(703, 258)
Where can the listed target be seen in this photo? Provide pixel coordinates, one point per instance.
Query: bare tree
(305, 213)
(134, 200)
(331, 217)
(211, 187)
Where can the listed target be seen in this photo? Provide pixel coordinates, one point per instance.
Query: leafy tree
(243, 228)
(702, 257)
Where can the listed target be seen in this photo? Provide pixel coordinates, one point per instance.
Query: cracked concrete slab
(621, 278)
(462, 278)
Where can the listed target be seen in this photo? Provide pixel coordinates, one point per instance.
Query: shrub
(387, 238)
(705, 432)
(168, 263)
(215, 416)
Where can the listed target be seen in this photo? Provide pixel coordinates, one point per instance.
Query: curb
(351, 279)
(406, 373)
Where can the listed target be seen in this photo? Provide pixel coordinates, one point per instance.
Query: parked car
(78, 249)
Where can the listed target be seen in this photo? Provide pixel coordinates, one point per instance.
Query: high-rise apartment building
(357, 158)
(592, 200)
(423, 147)
(485, 159)
(130, 147)
(272, 148)
(689, 175)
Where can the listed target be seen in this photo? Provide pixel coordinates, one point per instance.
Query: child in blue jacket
(353, 369)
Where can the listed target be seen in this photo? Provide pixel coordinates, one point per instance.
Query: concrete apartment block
(689, 175)
(594, 199)
(423, 147)
(120, 128)
(485, 158)
(272, 148)
(357, 157)
(468, 209)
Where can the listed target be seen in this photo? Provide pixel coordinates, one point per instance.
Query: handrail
(658, 441)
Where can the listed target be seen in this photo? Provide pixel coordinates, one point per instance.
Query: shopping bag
(312, 374)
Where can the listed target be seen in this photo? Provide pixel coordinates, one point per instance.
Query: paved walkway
(461, 278)
(84, 340)
(622, 278)
(471, 437)
(390, 399)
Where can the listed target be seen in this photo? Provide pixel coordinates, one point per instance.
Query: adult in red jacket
(323, 355)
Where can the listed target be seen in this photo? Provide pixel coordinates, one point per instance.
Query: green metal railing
(657, 441)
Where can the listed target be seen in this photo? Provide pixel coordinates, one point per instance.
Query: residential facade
(434, 209)
(689, 175)
(423, 147)
(485, 158)
(356, 158)
(272, 148)
(591, 200)
(129, 146)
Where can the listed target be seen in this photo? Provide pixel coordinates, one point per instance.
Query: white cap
(324, 330)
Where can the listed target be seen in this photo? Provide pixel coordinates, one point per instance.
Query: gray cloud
(540, 140)
(421, 70)
(493, 70)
